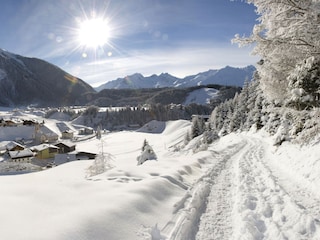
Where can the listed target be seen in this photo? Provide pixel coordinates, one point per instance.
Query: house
(67, 134)
(11, 123)
(44, 151)
(44, 134)
(14, 146)
(6, 146)
(65, 147)
(86, 131)
(24, 155)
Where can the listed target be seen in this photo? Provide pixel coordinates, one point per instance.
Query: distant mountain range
(30, 81)
(227, 76)
(25, 81)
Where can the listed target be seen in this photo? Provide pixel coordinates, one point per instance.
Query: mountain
(227, 76)
(25, 81)
(137, 80)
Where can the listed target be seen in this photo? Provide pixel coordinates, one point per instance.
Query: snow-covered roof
(46, 131)
(67, 131)
(8, 145)
(13, 144)
(3, 145)
(68, 144)
(42, 147)
(20, 154)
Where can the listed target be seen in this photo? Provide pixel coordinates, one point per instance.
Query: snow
(230, 76)
(242, 187)
(3, 74)
(201, 96)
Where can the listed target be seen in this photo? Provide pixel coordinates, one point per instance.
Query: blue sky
(181, 37)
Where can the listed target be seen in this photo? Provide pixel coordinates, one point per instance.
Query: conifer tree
(147, 153)
(304, 83)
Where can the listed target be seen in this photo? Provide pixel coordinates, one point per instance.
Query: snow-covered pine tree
(219, 121)
(287, 34)
(304, 82)
(236, 116)
(147, 153)
(187, 138)
(254, 105)
(198, 126)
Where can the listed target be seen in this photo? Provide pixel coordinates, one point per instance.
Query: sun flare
(94, 32)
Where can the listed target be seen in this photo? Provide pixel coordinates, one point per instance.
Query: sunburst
(94, 33)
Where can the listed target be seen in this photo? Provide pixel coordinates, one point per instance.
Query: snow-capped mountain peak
(229, 76)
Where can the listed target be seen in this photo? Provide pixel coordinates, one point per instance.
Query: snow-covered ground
(242, 187)
(201, 96)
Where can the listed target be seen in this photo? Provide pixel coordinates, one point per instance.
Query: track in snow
(265, 208)
(216, 221)
(190, 210)
(246, 197)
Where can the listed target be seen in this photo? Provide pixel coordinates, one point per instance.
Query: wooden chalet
(65, 147)
(44, 151)
(24, 155)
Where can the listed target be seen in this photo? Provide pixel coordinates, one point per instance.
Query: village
(31, 143)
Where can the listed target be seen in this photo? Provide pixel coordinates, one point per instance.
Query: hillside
(30, 81)
(135, 97)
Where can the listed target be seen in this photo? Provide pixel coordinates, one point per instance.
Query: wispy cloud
(179, 61)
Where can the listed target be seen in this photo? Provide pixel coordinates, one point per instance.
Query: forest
(283, 97)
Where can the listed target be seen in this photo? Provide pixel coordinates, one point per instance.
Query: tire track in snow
(266, 209)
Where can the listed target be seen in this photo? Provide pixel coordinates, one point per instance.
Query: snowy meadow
(240, 187)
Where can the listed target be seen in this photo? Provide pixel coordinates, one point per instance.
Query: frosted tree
(101, 163)
(147, 153)
(98, 133)
(219, 118)
(198, 126)
(237, 114)
(304, 83)
(287, 33)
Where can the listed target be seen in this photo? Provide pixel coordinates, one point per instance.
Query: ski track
(246, 197)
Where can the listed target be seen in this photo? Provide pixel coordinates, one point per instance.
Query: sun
(94, 32)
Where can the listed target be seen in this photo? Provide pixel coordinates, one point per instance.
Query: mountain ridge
(228, 76)
(32, 81)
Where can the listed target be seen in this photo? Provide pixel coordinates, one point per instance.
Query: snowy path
(245, 195)
(211, 191)
(216, 222)
(269, 208)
